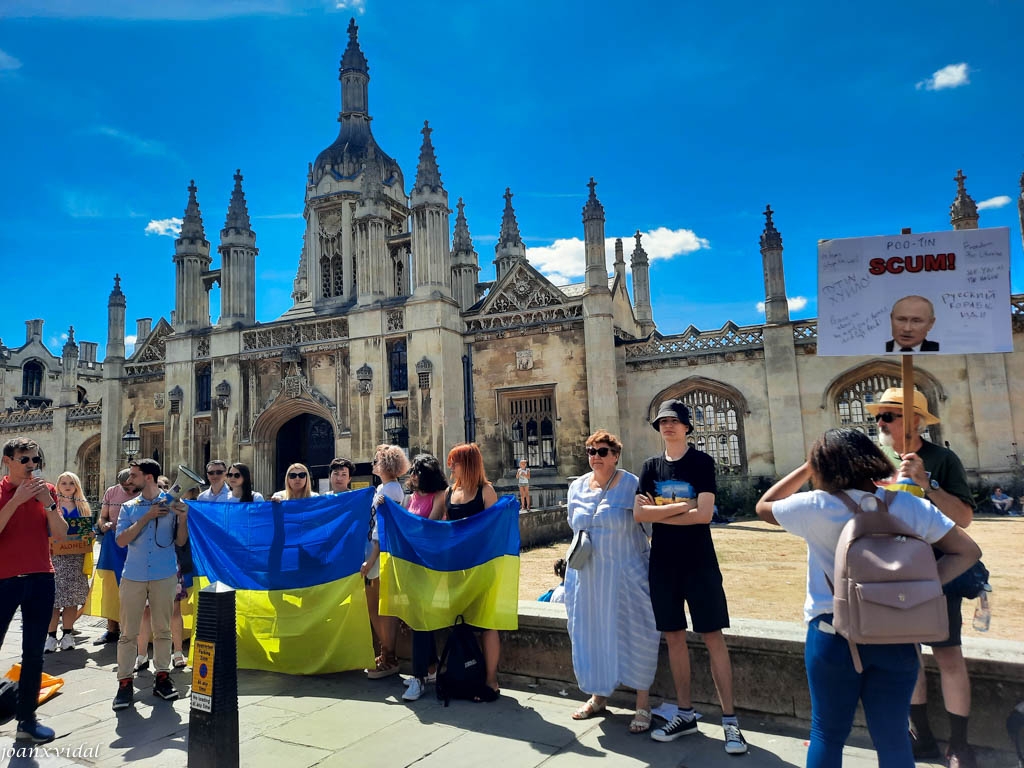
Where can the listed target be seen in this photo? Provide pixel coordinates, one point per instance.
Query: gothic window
(32, 379)
(338, 277)
(398, 367)
(325, 277)
(355, 286)
(716, 411)
(203, 380)
(91, 474)
(399, 278)
(850, 404)
(528, 421)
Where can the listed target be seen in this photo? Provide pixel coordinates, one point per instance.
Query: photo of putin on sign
(912, 317)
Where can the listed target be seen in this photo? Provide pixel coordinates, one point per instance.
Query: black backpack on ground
(8, 698)
(461, 672)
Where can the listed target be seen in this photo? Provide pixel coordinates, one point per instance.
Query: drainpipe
(467, 389)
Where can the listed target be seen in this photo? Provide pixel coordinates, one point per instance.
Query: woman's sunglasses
(294, 475)
(234, 474)
(602, 451)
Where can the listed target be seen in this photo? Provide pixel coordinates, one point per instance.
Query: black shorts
(673, 584)
(956, 620)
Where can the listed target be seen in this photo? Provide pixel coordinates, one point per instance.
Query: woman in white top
(389, 464)
(847, 460)
(239, 480)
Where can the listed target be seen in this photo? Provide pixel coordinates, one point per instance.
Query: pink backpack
(886, 587)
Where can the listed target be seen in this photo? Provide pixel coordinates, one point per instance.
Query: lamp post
(130, 442)
(394, 422)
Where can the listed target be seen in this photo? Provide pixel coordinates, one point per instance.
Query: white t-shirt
(819, 517)
(256, 496)
(393, 490)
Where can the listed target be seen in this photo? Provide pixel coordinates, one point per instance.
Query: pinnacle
(238, 211)
(427, 173)
(770, 237)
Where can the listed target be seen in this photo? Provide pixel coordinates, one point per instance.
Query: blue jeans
(34, 594)
(884, 688)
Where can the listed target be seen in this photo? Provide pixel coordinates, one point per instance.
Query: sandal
(641, 722)
(387, 665)
(487, 695)
(589, 709)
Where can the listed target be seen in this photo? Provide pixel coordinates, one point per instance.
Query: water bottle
(983, 612)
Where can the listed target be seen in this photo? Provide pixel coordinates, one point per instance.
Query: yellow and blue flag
(104, 594)
(294, 565)
(432, 571)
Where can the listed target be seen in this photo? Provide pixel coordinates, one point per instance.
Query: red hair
(473, 475)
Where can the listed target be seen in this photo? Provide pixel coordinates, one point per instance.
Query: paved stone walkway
(348, 720)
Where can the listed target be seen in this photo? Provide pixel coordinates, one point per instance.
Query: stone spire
(641, 286)
(776, 306)
(115, 321)
(963, 213)
(620, 262)
(428, 176)
(465, 264)
(238, 262)
(191, 259)
(593, 239)
(69, 370)
(353, 58)
(70, 345)
(354, 75)
(510, 247)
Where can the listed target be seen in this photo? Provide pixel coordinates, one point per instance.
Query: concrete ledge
(768, 670)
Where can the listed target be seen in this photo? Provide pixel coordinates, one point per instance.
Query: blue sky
(848, 118)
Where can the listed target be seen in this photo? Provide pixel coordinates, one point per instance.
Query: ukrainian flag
(431, 571)
(299, 598)
(104, 593)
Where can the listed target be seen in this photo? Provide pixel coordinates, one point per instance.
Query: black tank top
(468, 509)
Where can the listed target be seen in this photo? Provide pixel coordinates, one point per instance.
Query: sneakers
(164, 688)
(429, 679)
(107, 637)
(178, 660)
(51, 644)
(125, 694)
(414, 689)
(961, 758)
(67, 641)
(31, 730)
(924, 749)
(674, 728)
(735, 744)
(141, 662)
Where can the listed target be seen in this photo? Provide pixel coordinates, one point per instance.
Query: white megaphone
(184, 482)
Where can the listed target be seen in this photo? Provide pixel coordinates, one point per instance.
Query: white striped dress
(608, 601)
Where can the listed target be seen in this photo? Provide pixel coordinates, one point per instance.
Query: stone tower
(429, 224)
(776, 306)
(238, 262)
(510, 247)
(191, 260)
(641, 286)
(963, 213)
(620, 261)
(598, 322)
(69, 370)
(115, 322)
(465, 264)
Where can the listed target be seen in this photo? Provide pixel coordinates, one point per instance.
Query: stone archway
(269, 423)
(88, 461)
(307, 439)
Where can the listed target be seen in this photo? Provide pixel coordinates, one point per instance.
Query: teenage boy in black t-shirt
(677, 494)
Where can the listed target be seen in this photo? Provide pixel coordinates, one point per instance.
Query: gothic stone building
(392, 338)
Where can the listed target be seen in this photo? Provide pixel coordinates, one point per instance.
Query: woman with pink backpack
(845, 462)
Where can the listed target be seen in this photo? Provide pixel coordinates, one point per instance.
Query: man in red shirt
(29, 517)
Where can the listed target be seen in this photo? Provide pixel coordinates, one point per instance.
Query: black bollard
(213, 716)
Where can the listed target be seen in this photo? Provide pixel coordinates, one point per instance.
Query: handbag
(969, 584)
(582, 546)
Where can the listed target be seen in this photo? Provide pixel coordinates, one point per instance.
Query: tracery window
(325, 277)
(398, 365)
(203, 381)
(850, 405)
(32, 379)
(717, 424)
(529, 423)
(338, 276)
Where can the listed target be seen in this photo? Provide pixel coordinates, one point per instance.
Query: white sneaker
(67, 641)
(178, 660)
(414, 690)
(141, 662)
(50, 645)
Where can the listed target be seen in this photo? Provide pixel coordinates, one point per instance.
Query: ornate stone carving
(330, 222)
(289, 334)
(524, 360)
(364, 380)
(93, 412)
(158, 400)
(537, 317)
(693, 341)
(223, 394)
(203, 347)
(395, 320)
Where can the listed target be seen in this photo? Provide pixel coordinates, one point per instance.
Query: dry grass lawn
(765, 572)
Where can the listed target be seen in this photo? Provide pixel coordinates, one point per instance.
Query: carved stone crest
(158, 400)
(330, 223)
(524, 360)
(395, 320)
(364, 380)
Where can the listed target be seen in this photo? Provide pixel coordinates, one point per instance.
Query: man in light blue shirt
(218, 490)
(147, 527)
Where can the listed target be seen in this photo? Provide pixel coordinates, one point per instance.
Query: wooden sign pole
(907, 374)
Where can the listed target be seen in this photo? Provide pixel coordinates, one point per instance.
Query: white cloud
(136, 144)
(796, 303)
(359, 6)
(8, 63)
(994, 202)
(129, 344)
(565, 260)
(950, 76)
(168, 227)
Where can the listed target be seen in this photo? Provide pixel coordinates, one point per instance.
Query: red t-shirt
(25, 540)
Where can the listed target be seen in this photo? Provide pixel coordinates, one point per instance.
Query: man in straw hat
(939, 472)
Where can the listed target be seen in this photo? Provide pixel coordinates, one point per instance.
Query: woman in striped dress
(608, 601)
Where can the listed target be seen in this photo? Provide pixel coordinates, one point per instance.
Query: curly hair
(391, 459)
(847, 458)
(606, 437)
(428, 473)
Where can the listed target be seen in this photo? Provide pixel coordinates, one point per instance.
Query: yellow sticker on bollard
(202, 668)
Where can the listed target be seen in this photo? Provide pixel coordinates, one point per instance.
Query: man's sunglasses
(888, 417)
(234, 474)
(294, 475)
(603, 451)
(33, 459)
(215, 471)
